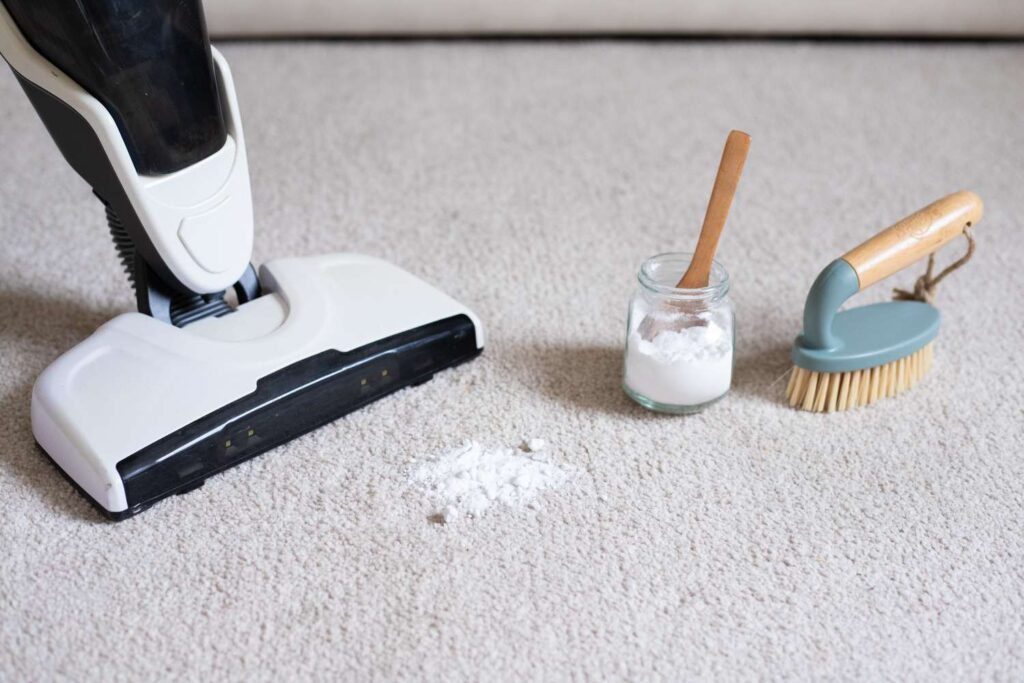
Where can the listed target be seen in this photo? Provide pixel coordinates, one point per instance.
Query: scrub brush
(853, 358)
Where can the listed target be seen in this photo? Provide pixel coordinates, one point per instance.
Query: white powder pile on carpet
(468, 480)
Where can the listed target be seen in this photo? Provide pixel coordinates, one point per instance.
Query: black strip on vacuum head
(289, 403)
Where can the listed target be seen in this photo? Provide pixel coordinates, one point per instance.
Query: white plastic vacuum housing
(199, 219)
(152, 405)
(142, 409)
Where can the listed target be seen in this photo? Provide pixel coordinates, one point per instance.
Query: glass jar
(679, 342)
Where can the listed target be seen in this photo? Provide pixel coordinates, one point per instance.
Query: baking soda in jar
(679, 343)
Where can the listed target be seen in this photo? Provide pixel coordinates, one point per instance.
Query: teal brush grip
(862, 337)
(833, 286)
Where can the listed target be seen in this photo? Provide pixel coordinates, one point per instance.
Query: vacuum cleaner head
(155, 402)
(142, 409)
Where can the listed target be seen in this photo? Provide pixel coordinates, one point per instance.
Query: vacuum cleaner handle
(144, 110)
(914, 237)
(147, 61)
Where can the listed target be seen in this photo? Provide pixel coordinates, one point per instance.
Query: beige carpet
(529, 180)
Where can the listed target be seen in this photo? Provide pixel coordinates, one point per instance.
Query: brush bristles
(831, 391)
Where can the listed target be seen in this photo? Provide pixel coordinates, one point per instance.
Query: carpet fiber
(529, 180)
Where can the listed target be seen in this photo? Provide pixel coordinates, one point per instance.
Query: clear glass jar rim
(718, 281)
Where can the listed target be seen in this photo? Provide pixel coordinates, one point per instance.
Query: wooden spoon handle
(729, 170)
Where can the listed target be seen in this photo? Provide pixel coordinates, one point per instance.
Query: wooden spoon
(699, 272)
(729, 170)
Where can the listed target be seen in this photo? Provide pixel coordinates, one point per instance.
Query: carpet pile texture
(529, 180)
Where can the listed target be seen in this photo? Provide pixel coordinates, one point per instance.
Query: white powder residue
(535, 445)
(686, 367)
(471, 478)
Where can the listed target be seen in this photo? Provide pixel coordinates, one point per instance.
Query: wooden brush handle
(914, 237)
(729, 170)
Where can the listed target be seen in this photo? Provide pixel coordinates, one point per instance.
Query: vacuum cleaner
(220, 363)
